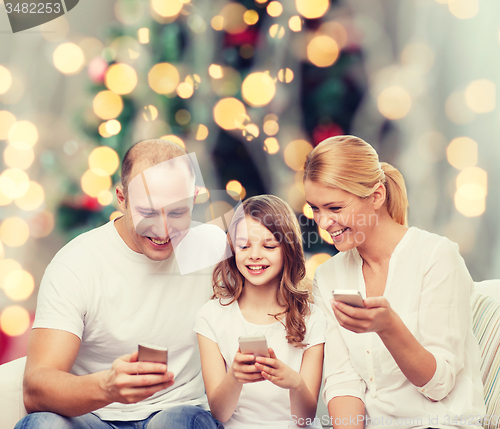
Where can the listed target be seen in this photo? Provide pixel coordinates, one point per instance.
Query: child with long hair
(256, 292)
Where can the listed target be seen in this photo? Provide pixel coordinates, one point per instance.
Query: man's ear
(120, 197)
(196, 192)
(379, 196)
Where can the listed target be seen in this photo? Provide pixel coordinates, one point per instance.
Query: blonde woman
(409, 358)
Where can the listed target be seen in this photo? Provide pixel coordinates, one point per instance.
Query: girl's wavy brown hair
(228, 283)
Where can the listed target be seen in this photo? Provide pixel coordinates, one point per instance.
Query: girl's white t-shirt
(261, 404)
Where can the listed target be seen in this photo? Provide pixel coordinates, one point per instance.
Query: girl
(257, 293)
(409, 358)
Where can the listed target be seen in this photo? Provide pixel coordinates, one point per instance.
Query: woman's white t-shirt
(261, 404)
(429, 287)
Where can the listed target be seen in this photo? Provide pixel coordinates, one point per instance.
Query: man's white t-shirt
(112, 298)
(261, 404)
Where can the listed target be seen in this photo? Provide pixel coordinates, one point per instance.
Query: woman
(409, 358)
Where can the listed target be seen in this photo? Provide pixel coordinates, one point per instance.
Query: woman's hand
(277, 372)
(377, 316)
(244, 370)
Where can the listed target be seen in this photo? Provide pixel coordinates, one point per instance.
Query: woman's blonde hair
(351, 164)
(278, 217)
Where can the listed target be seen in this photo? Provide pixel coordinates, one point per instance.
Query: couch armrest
(11, 393)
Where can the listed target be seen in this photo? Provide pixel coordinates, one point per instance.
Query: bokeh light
(480, 96)
(336, 31)
(473, 176)
(33, 198)
(251, 131)
(307, 211)
(150, 113)
(23, 135)
(322, 51)
(251, 17)
(202, 132)
(14, 182)
(4, 199)
(7, 119)
(7, 266)
(203, 195)
(276, 31)
(183, 117)
(469, 204)
(2, 253)
(15, 158)
(295, 154)
(234, 187)
(394, 102)
(163, 78)
(19, 285)
(14, 320)
(143, 35)
(14, 231)
(258, 89)
(271, 145)
(463, 9)
(105, 198)
(462, 153)
(93, 184)
(229, 113)
(295, 23)
(115, 215)
(5, 79)
(107, 105)
(121, 79)
(215, 71)
(68, 58)
(103, 161)
(285, 75)
(174, 139)
(233, 18)
(228, 84)
(113, 127)
(274, 9)
(314, 262)
(167, 8)
(103, 131)
(271, 127)
(217, 23)
(185, 90)
(325, 236)
(312, 9)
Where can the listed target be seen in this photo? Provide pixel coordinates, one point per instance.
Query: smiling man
(116, 286)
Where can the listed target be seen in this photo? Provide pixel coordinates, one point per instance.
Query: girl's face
(348, 218)
(258, 254)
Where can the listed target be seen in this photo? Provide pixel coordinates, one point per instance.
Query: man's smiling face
(159, 205)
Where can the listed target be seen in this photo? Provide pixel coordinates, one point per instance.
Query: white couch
(486, 314)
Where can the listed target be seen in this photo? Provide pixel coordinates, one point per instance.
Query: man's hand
(277, 372)
(243, 368)
(129, 381)
(377, 316)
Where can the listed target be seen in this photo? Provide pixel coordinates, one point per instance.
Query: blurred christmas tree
(249, 86)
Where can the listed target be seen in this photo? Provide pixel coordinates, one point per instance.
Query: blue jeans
(181, 417)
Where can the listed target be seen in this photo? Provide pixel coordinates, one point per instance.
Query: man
(116, 286)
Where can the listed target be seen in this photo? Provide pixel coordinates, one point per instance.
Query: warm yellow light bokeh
(4, 199)
(312, 9)
(462, 153)
(68, 58)
(285, 75)
(143, 35)
(215, 71)
(469, 207)
(113, 127)
(163, 78)
(23, 135)
(217, 23)
(15, 158)
(203, 195)
(7, 266)
(14, 232)
(463, 9)
(105, 198)
(295, 154)
(5, 79)
(473, 176)
(183, 116)
(314, 262)
(307, 210)
(7, 119)
(174, 139)
(229, 113)
(271, 145)
(271, 128)
(93, 184)
(167, 8)
(480, 96)
(274, 9)
(185, 90)
(107, 105)
(103, 131)
(394, 102)
(121, 79)
(150, 113)
(14, 320)
(295, 23)
(325, 236)
(19, 285)
(258, 89)
(14, 182)
(322, 51)
(251, 17)
(251, 131)
(234, 187)
(276, 31)
(2, 253)
(103, 161)
(33, 198)
(202, 132)
(233, 18)
(336, 31)
(115, 214)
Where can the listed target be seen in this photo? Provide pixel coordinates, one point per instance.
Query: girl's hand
(277, 372)
(243, 368)
(378, 316)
